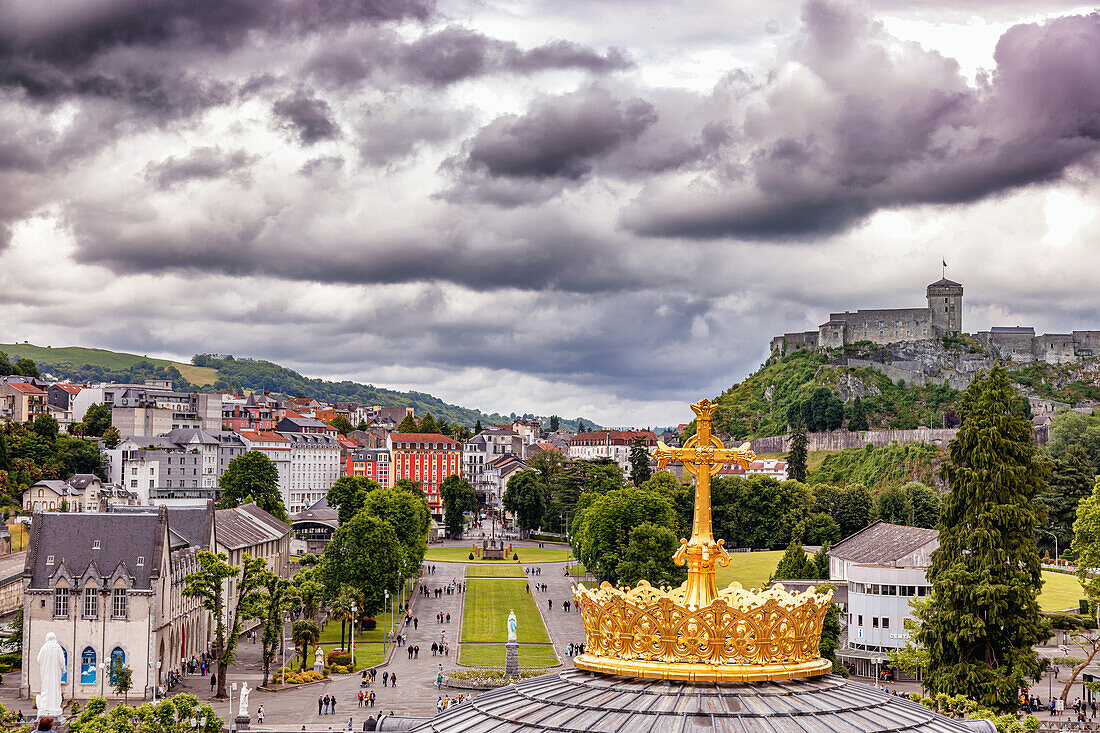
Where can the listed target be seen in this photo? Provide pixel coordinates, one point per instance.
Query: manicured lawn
(485, 612)
(366, 654)
(1060, 591)
(492, 655)
(751, 569)
(578, 570)
(526, 554)
(495, 571)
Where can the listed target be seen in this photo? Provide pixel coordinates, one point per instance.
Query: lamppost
(389, 613)
(354, 608)
(282, 643)
(232, 689)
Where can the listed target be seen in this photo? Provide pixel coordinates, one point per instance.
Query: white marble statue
(51, 666)
(242, 711)
(511, 625)
(319, 659)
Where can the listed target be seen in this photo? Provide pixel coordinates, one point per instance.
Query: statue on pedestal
(51, 667)
(319, 660)
(511, 625)
(242, 711)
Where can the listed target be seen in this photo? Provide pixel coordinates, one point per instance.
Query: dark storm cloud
(450, 55)
(308, 117)
(859, 122)
(559, 136)
(201, 164)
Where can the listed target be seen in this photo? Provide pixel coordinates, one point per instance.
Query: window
(885, 622)
(874, 622)
(860, 622)
(87, 666)
(49, 559)
(91, 603)
(141, 561)
(61, 603)
(118, 606)
(95, 544)
(118, 659)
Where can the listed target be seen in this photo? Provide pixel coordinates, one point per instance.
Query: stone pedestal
(241, 722)
(511, 659)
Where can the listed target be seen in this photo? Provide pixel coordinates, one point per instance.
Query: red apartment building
(372, 463)
(425, 457)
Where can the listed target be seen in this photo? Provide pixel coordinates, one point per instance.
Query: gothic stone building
(110, 587)
(941, 317)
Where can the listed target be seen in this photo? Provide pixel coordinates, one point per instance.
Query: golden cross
(703, 455)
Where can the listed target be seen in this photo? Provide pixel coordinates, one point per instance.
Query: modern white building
(885, 567)
(479, 452)
(277, 449)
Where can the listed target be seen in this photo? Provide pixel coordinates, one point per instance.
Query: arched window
(87, 666)
(65, 673)
(118, 660)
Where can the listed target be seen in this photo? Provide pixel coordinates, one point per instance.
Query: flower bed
(488, 679)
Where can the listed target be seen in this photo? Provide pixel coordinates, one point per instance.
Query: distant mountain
(210, 374)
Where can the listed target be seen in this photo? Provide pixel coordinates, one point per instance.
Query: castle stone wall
(844, 439)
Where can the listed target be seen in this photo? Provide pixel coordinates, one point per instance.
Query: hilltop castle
(941, 317)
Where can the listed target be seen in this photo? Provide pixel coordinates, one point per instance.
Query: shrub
(471, 557)
(311, 676)
(1082, 608)
(369, 624)
(341, 658)
(13, 659)
(515, 556)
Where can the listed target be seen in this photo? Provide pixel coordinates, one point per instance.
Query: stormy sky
(586, 207)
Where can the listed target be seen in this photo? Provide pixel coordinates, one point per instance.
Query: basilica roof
(579, 701)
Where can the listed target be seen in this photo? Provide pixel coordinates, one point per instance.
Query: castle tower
(945, 300)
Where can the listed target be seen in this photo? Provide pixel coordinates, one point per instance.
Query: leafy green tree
(477, 427)
(407, 425)
(892, 505)
(362, 425)
(794, 565)
(926, 503)
(304, 633)
(208, 585)
(342, 425)
(648, 556)
(983, 621)
(309, 590)
(365, 554)
(858, 420)
(427, 425)
(97, 419)
(602, 525)
(280, 596)
(854, 510)
(409, 485)
(821, 529)
(1072, 428)
(121, 677)
(1086, 548)
(111, 438)
(348, 493)
(27, 368)
(6, 368)
(458, 498)
(252, 474)
(1071, 481)
(75, 455)
(408, 514)
(581, 427)
(169, 715)
(339, 609)
(46, 426)
(796, 458)
(5, 451)
(555, 424)
(525, 497)
(639, 462)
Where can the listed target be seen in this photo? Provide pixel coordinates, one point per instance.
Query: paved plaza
(415, 695)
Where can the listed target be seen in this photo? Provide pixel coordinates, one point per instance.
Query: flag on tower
(945, 263)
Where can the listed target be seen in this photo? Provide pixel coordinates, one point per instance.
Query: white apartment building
(480, 451)
(314, 468)
(278, 451)
(613, 444)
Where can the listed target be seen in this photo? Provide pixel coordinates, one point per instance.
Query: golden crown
(696, 632)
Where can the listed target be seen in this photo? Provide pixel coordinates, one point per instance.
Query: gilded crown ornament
(697, 632)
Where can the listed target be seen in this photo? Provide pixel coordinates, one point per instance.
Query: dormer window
(95, 544)
(49, 559)
(141, 561)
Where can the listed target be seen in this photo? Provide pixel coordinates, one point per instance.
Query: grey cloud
(310, 118)
(394, 132)
(201, 164)
(882, 124)
(450, 55)
(559, 136)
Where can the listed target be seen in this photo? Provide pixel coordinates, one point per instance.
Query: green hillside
(231, 374)
(75, 356)
(757, 407)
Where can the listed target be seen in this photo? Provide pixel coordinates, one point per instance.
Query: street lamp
(1056, 555)
(232, 689)
(389, 613)
(354, 608)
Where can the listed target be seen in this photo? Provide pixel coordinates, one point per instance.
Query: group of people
(565, 605)
(574, 649)
(445, 702)
(533, 571)
(326, 705)
(1057, 707)
(366, 699)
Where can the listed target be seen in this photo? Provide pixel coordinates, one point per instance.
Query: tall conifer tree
(408, 425)
(982, 621)
(796, 459)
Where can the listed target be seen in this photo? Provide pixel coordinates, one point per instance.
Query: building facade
(21, 401)
(314, 467)
(613, 444)
(428, 458)
(885, 567)
(372, 463)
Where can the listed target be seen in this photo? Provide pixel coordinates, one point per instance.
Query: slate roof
(81, 480)
(61, 488)
(25, 388)
(449, 443)
(1026, 330)
(319, 512)
(245, 526)
(69, 538)
(882, 543)
(188, 522)
(583, 701)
